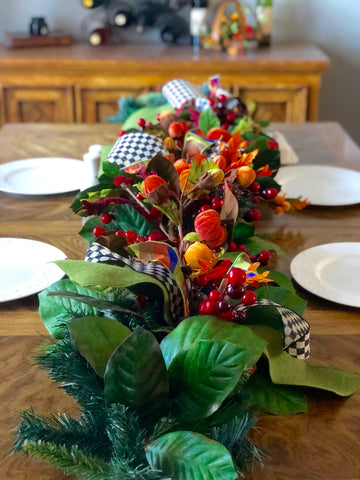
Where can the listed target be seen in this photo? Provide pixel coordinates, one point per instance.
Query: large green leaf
(242, 230)
(54, 311)
(208, 120)
(93, 275)
(87, 230)
(127, 218)
(280, 278)
(136, 374)
(97, 338)
(255, 244)
(204, 327)
(288, 370)
(283, 297)
(275, 399)
(269, 157)
(203, 375)
(267, 182)
(190, 456)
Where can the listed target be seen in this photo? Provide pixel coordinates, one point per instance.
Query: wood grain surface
(322, 444)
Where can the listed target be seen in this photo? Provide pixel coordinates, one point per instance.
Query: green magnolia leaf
(87, 230)
(287, 370)
(283, 297)
(242, 230)
(207, 120)
(54, 310)
(97, 338)
(136, 374)
(165, 170)
(202, 376)
(265, 315)
(256, 141)
(280, 278)
(266, 156)
(188, 455)
(255, 244)
(203, 327)
(127, 218)
(93, 275)
(268, 182)
(275, 399)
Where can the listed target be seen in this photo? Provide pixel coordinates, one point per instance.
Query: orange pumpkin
(151, 182)
(208, 227)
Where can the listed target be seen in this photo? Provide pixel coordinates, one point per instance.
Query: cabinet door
(95, 105)
(47, 105)
(277, 105)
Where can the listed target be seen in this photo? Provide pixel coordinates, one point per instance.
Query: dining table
(323, 443)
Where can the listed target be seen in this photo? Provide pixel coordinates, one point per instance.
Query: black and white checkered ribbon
(178, 91)
(97, 253)
(296, 329)
(135, 147)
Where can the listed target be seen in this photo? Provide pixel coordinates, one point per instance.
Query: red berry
(256, 199)
(255, 187)
(202, 307)
(237, 277)
(252, 258)
(273, 145)
(215, 295)
(140, 238)
(129, 181)
(216, 203)
(158, 117)
(156, 236)
(264, 257)
(222, 98)
(232, 247)
(254, 214)
(230, 117)
(98, 231)
(139, 196)
(225, 125)
(235, 292)
(209, 307)
(119, 180)
(149, 124)
(121, 133)
(201, 280)
(106, 218)
(120, 233)
(203, 208)
(130, 236)
(211, 102)
(223, 306)
(242, 248)
(227, 316)
(141, 122)
(271, 193)
(155, 213)
(249, 298)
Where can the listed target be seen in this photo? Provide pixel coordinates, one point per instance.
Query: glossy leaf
(287, 370)
(275, 399)
(188, 455)
(280, 278)
(283, 297)
(242, 230)
(203, 375)
(136, 374)
(53, 310)
(255, 244)
(202, 327)
(127, 218)
(97, 338)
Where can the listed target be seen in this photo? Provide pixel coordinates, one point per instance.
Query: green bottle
(264, 18)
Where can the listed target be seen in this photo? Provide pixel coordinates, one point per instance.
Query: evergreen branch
(87, 432)
(71, 461)
(67, 366)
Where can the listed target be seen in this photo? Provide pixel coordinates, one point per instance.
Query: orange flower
(299, 204)
(264, 171)
(245, 176)
(199, 257)
(208, 226)
(282, 204)
(253, 278)
(243, 160)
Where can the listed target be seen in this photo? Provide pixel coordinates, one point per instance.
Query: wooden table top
(321, 444)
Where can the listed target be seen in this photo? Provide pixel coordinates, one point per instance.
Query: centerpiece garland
(173, 334)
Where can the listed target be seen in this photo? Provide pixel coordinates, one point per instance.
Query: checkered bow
(296, 329)
(97, 253)
(135, 147)
(178, 91)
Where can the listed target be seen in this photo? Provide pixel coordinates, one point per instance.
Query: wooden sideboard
(80, 83)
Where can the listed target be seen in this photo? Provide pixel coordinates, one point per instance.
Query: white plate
(25, 267)
(331, 271)
(41, 176)
(321, 184)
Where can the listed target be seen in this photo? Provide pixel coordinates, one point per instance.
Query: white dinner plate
(41, 176)
(331, 271)
(320, 184)
(25, 267)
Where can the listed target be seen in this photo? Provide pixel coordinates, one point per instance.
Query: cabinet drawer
(289, 105)
(49, 105)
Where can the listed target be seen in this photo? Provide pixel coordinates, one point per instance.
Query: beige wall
(333, 25)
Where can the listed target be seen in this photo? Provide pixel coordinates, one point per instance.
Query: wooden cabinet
(83, 84)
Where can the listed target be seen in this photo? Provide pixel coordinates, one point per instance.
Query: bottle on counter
(198, 13)
(172, 28)
(96, 29)
(92, 3)
(264, 18)
(120, 14)
(38, 26)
